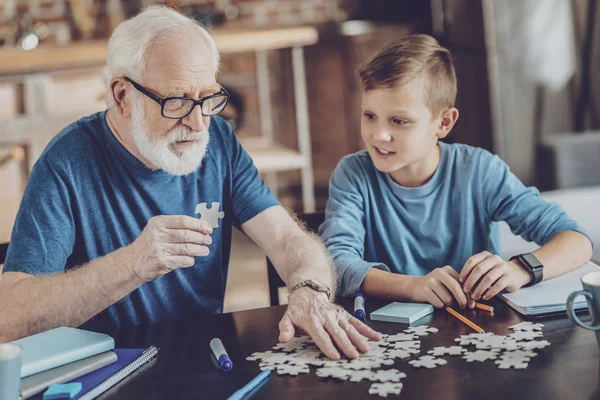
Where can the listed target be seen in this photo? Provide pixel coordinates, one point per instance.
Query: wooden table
(568, 369)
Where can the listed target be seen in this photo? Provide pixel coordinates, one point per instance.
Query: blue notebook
(406, 313)
(60, 346)
(93, 379)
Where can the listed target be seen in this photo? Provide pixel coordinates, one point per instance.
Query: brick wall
(62, 19)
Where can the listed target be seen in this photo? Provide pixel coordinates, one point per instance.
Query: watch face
(532, 261)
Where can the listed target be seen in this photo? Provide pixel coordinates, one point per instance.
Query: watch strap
(533, 266)
(319, 287)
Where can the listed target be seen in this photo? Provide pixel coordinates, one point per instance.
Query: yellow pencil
(464, 320)
(484, 307)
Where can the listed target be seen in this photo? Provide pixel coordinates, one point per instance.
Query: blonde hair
(416, 59)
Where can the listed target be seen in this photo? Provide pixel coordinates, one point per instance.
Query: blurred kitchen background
(527, 90)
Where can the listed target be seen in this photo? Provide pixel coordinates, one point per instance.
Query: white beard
(160, 152)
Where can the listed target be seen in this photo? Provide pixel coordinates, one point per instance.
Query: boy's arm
(564, 245)
(343, 231)
(440, 287)
(564, 252)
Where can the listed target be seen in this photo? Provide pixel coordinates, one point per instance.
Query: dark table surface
(568, 369)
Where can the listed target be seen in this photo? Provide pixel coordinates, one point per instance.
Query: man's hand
(493, 274)
(169, 242)
(440, 288)
(326, 323)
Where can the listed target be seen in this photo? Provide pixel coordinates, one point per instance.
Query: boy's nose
(382, 136)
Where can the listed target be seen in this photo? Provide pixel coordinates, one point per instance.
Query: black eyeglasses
(181, 107)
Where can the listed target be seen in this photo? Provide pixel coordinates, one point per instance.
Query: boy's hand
(493, 274)
(440, 287)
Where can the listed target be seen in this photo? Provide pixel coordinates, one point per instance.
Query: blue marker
(220, 354)
(359, 306)
(250, 386)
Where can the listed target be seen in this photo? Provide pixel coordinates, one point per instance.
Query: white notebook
(550, 296)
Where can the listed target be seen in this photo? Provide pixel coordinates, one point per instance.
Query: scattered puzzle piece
(515, 359)
(334, 372)
(413, 344)
(493, 342)
(427, 362)
(292, 369)
(259, 355)
(481, 355)
(387, 375)
(400, 353)
(450, 351)
(472, 338)
(526, 326)
(296, 343)
(358, 376)
(383, 389)
(533, 345)
(422, 330)
(525, 335)
(401, 337)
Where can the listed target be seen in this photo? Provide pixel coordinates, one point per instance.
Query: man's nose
(195, 120)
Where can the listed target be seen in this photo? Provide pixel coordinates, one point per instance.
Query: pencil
(484, 307)
(464, 320)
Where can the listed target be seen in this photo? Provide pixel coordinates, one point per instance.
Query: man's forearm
(307, 258)
(36, 304)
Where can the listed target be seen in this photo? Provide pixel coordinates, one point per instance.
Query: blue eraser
(62, 391)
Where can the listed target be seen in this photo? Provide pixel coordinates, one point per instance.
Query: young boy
(411, 217)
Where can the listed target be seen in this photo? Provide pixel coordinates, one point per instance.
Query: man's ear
(118, 89)
(446, 122)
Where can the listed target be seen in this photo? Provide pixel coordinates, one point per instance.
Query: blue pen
(250, 386)
(359, 306)
(218, 350)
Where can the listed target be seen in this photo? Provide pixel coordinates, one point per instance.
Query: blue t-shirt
(88, 196)
(371, 221)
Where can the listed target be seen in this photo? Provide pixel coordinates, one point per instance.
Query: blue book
(60, 346)
(107, 376)
(406, 313)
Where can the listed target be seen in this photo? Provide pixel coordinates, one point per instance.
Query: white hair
(128, 43)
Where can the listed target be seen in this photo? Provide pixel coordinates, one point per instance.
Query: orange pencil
(484, 307)
(464, 320)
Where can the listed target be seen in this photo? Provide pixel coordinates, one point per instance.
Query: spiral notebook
(100, 381)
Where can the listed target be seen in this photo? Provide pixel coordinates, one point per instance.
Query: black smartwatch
(533, 266)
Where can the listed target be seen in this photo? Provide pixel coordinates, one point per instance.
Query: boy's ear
(447, 120)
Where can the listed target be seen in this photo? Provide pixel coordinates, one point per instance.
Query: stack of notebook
(67, 355)
(550, 296)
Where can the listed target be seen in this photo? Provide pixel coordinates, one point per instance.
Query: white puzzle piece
(447, 351)
(533, 345)
(526, 326)
(387, 375)
(292, 369)
(481, 355)
(525, 335)
(421, 330)
(427, 362)
(210, 215)
(383, 389)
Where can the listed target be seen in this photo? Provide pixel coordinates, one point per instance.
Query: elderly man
(107, 234)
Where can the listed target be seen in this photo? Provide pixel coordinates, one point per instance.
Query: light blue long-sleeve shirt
(371, 221)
